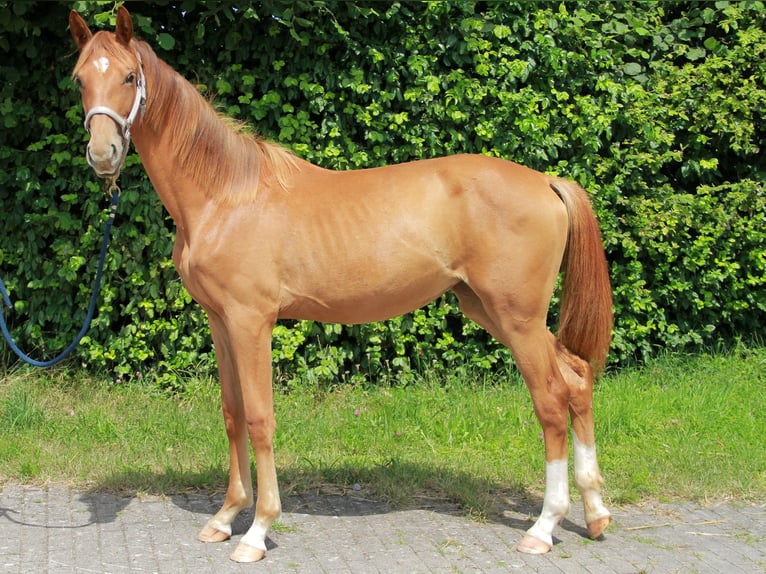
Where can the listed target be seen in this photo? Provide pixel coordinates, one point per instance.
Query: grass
(686, 427)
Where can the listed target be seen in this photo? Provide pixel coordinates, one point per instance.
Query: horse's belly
(364, 299)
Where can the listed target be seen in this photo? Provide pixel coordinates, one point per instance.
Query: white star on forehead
(102, 64)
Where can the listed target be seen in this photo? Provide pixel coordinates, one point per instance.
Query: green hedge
(656, 108)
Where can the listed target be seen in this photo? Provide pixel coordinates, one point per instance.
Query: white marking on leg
(255, 537)
(588, 480)
(220, 526)
(585, 465)
(102, 64)
(556, 502)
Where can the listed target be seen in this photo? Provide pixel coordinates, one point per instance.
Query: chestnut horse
(263, 235)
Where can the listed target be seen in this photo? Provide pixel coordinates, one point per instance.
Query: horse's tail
(585, 316)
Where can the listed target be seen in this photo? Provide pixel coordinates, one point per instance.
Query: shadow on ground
(203, 493)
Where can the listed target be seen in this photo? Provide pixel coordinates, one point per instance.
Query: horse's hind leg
(579, 377)
(532, 347)
(535, 359)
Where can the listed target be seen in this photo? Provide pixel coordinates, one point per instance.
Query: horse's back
(440, 192)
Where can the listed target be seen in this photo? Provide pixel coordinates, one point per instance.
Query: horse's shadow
(513, 506)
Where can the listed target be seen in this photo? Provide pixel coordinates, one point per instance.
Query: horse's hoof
(531, 545)
(597, 527)
(247, 553)
(212, 534)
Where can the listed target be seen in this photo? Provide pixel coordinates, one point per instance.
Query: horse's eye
(78, 82)
(131, 79)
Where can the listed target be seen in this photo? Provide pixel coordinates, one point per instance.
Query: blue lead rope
(91, 308)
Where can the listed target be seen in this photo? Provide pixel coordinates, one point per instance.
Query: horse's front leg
(250, 342)
(239, 494)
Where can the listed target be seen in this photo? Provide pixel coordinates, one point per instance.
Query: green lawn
(688, 427)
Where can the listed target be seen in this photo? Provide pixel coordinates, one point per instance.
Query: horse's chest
(216, 278)
(190, 271)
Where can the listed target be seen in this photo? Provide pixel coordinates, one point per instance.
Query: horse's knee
(261, 429)
(234, 426)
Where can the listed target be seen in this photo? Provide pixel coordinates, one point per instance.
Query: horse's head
(112, 85)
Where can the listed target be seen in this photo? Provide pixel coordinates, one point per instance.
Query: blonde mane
(229, 164)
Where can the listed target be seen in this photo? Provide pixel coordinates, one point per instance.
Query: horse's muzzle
(106, 160)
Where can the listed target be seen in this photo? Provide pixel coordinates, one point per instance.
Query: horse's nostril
(114, 150)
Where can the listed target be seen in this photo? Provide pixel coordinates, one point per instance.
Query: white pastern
(102, 64)
(556, 502)
(588, 480)
(255, 537)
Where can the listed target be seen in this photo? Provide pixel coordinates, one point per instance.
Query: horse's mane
(212, 148)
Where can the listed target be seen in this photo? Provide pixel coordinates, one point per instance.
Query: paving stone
(62, 531)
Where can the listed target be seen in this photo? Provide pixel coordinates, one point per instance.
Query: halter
(139, 105)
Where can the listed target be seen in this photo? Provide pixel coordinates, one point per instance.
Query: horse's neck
(181, 196)
(195, 159)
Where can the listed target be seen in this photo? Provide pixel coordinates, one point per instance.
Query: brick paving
(62, 531)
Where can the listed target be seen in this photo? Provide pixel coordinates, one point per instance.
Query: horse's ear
(124, 30)
(79, 29)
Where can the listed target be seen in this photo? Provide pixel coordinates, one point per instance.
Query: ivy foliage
(656, 108)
